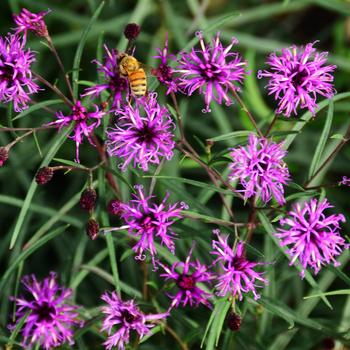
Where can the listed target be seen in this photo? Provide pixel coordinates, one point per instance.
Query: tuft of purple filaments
(260, 169)
(188, 277)
(52, 317)
(123, 317)
(148, 222)
(16, 81)
(115, 84)
(142, 134)
(312, 237)
(28, 21)
(237, 275)
(297, 76)
(84, 123)
(212, 70)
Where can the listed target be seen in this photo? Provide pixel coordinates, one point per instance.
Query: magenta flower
(297, 77)
(122, 317)
(51, 317)
(164, 73)
(237, 274)
(260, 169)
(148, 221)
(187, 275)
(115, 84)
(212, 70)
(16, 82)
(28, 21)
(142, 135)
(84, 123)
(345, 181)
(312, 237)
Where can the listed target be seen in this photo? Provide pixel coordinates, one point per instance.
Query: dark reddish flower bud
(4, 154)
(88, 199)
(328, 344)
(131, 31)
(92, 229)
(114, 207)
(44, 175)
(233, 321)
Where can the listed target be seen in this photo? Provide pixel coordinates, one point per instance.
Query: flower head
(16, 83)
(187, 276)
(51, 317)
(122, 317)
(142, 134)
(237, 274)
(84, 123)
(149, 222)
(33, 22)
(345, 181)
(44, 175)
(115, 84)
(4, 155)
(260, 169)
(131, 31)
(312, 237)
(212, 70)
(297, 76)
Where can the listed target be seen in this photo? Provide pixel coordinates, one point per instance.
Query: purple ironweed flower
(212, 70)
(51, 317)
(345, 181)
(82, 121)
(164, 73)
(238, 273)
(297, 76)
(260, 168)
(312, 237)
(16, 83)
(115, 84)
(142, 134)
(186, 276)
(34, 22)
(149, 221)
(121, 318)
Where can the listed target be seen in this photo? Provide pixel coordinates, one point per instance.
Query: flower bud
(114, 207)
(88, 199)
(131, 31)
(4, 154)
(92, 229)
(44, 175)
(233, 321)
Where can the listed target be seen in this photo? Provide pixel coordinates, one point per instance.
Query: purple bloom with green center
(238, 274)
(260, 168)
(84, 123)
(16, 81)
(212, 70)
(143, 134)
(28, 21)
(297, 76)
(115, 84)
(312, 236)
(148, 222)
(190, 278)
(165, 73)
(51, 315)
(123, 317)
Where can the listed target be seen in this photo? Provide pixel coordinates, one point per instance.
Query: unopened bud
(88, 199)
(4, 154)
(131, 31)
(233, 321)
(92, 229)
(44, 175)
(115, 207)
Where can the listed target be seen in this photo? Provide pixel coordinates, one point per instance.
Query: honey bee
(131, 68)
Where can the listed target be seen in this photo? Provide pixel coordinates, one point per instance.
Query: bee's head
(128, 64)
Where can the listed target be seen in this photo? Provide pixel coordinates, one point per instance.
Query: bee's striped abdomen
(138, 82)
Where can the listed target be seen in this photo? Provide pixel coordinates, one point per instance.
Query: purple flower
(16, 83)
(164, 73)
(115, 84)
(149, 221)
(297, 76)
(345, 181)
(126, 317)
(34, 22)
(260, 169)
(237, 274)
(142, 134)
(312, 237)
(84, 123)
(51, 317)
(212, 70)
(187, 275)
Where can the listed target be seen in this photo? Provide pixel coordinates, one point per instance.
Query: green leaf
(337, 137)
(69, 163)
(36, 106)
(335, 292)
(230, 136)
(323, 139)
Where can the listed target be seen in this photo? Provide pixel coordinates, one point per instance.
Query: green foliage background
(49, 217)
